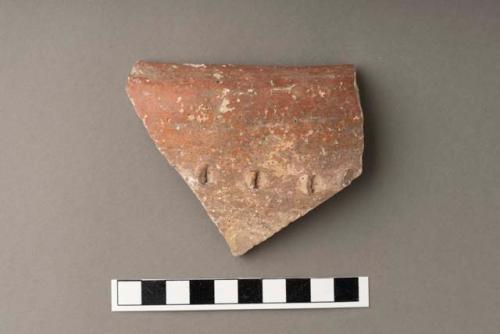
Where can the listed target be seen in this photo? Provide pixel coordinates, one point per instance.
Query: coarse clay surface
(260, 146)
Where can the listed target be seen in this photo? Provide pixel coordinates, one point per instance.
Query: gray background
(85, 196)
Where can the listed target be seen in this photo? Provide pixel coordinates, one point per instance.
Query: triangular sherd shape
(260, 146)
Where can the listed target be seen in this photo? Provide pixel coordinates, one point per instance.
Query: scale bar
(238, 294)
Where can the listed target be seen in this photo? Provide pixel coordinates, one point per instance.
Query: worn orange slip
(260, 146)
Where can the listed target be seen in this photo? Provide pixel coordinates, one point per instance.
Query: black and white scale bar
(239, 294)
